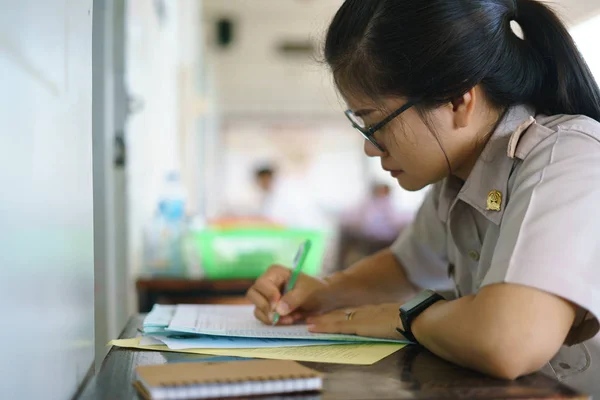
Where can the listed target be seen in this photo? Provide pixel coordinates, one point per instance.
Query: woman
(504, 126)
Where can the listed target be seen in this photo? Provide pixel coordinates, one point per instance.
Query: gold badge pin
(494, 200)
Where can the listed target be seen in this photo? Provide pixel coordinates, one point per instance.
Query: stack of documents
(233, 331)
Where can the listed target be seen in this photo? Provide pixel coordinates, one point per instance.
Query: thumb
(290, 302)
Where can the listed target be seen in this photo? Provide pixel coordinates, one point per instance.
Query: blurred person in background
(279, 199)
(264, 179)
(371, 226)
(254, 203)
(377, 217)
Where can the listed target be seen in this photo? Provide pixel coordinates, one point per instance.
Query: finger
(290, 319)
(272, 282)
(258, 300)
(297, 316)
(263, 317)
(267, 318)
(277, 275)
(287, 320)
(268, 290)
(291, 301)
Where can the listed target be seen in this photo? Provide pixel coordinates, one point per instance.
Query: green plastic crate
(247, 253)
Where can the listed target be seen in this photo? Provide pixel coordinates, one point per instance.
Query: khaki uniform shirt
(528, 214)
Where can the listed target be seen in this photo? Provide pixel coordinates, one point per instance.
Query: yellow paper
(358, 354)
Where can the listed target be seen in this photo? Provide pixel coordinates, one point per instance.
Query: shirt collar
(491, 171)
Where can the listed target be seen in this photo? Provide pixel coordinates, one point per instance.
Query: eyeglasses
(369, 131)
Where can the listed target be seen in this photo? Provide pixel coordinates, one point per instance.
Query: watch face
(418, 299)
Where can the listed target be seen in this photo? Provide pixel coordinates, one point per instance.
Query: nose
(372, 151)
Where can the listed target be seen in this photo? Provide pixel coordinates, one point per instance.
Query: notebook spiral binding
(235, 389)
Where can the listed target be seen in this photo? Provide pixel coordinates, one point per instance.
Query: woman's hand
(306, 298)
(379, 321)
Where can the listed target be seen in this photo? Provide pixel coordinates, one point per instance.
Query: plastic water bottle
(173, 198)
(163, 241)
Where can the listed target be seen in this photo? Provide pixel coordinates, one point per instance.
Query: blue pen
(298, 264)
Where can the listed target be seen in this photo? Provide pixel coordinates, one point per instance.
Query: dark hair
(265, 171)
(437, 50)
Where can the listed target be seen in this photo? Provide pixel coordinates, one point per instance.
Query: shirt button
(473, 255)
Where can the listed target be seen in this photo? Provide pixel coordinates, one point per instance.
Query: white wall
(574, 12)
(586, 35)
(252, 78)
(46, 206)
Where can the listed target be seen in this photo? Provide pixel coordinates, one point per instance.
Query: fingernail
(282, 308)
(311, 327)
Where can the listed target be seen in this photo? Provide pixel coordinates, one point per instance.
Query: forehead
(358, 102)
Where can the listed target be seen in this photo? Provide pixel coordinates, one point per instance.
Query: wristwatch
(411, 309)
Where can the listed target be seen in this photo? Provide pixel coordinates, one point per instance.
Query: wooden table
(411, 373)
(191, 291)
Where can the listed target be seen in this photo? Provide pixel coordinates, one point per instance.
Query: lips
(394, 172)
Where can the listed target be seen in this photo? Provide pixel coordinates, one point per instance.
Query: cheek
(370, 149)
(418, 152)
(408, 143)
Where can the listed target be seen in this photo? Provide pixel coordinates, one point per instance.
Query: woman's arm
(373, 280)
(505, 330)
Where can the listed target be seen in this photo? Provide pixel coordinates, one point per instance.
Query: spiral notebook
(230, 379)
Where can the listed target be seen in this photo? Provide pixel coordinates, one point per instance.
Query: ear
(463, 108)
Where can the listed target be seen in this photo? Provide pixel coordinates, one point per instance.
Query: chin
(410, 185)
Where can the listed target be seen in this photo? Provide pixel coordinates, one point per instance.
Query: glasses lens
(358, 121)
(362, 127)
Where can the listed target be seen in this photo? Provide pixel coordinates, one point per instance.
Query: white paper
(150, 341)
(222, 342)
(159, 316)
(239, 321)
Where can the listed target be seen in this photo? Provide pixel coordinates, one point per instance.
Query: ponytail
(568, 86)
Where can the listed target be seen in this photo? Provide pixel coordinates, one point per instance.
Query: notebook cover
(141, 390)
(184, 374)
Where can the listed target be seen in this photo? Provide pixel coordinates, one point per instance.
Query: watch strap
(413, 308)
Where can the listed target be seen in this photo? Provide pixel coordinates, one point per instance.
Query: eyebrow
(363, 112)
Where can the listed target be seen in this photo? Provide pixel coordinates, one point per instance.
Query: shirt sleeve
(550, 233)
(421, 247)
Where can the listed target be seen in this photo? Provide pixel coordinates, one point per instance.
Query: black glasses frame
(369, 132)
